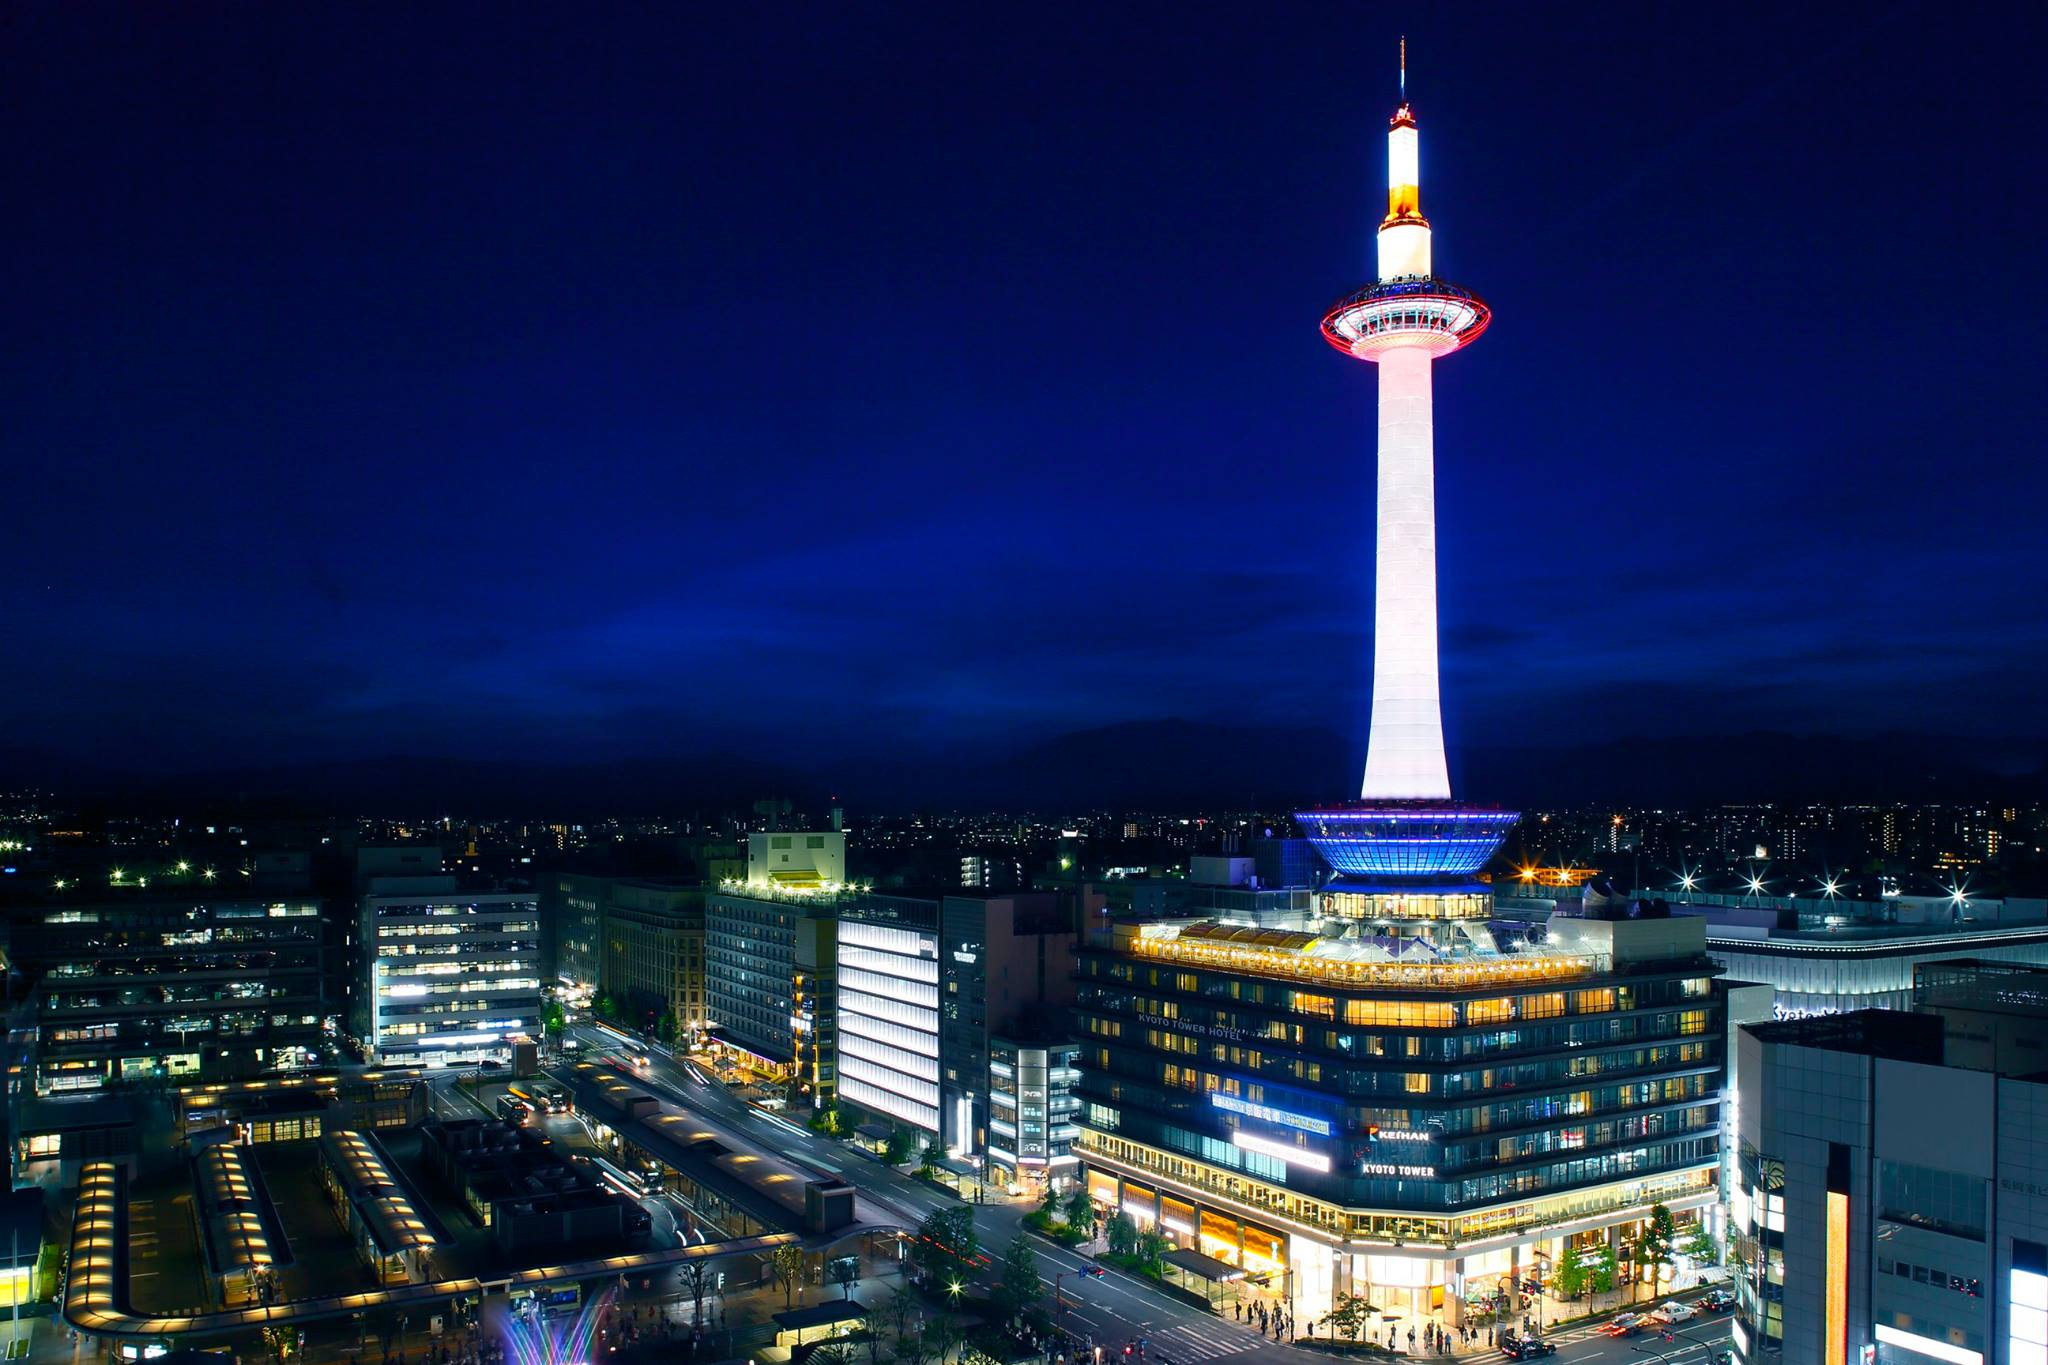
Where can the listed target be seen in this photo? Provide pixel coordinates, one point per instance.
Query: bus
(549, 1300)
(635, 1180)
(514, 1109)
(544, 1097)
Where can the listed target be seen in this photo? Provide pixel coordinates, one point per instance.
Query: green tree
(1570, 1277)
(845, 1272)
(787, 1266)
(1123, 1234)
(901, 1146)
(1081, 1211)
(1702, 1247)
(1348, 1315)
(1653, 1248)
(946, 1244)
(1604, 1269)
(665, 1029)
(1151, 1249)
(552, 1021)
(1018, 1286)
(1049, 1203)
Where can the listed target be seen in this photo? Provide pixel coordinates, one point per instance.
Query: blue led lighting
(1407, 841)
(1287, 1118)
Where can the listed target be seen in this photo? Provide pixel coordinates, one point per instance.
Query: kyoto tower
(1405, 824)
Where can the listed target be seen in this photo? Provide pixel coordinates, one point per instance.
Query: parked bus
(513, 1109)
(549, 1300)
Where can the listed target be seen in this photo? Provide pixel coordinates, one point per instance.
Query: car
(1672, 1311)
(1525, 1348)
(1626, 1324)
(1714, 1301)
(1093, 1272)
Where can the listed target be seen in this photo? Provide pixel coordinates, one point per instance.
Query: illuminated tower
(1405, 824)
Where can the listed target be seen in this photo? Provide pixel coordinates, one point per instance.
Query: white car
(1673, 1312)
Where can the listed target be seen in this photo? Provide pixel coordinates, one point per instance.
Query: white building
(450, 976)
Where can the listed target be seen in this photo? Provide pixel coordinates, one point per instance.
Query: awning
(953, 1165)
(874, 1132)
(1204, 1267)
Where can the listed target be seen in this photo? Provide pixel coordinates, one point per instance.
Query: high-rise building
(769, 967)
(449, 975)
(174, 990)
(1032, 1109)
(576, 916)
(889, 1017)
(1363, 1090)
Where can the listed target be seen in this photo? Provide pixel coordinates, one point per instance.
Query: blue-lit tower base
(1406, 841)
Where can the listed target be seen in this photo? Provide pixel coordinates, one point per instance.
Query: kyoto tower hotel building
(1367, 1087)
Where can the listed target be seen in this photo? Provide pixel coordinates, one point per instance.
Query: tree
(1151, 1248)
(934, 1152)
(1018, 1286)
(904, 1317)
(1602, 1279)
(1123, 1234)
(787, 1265)
(832, 1353)
(845, 1273)
(665, 1029)
(901, 1146)
(946, 1245)
(1049, 1202)
(1348, 1314)
(552, 1021)
(1081, 1211)
(1703, 1248)
(1653, 1248)
(697, 1283)
(1570, 1277)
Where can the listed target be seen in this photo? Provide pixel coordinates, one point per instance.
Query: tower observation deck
(1405, 825)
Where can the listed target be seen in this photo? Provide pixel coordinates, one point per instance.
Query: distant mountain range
(1150, 765)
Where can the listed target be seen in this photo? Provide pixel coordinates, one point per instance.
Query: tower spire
(1404, 68)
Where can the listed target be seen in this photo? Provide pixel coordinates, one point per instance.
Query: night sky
(576, 381)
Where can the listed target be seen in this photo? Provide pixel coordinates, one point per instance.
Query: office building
(769, 963)
(1033, 1106)
(889, 1016)
(653, 963)
(449, 975)
(576, 921)
(1892, 1206)
(1003, 960)
(156, 990)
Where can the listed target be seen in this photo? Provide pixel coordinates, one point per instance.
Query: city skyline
(502, 446)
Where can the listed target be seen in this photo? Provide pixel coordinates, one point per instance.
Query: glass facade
(452, 975)
(1390, 1103)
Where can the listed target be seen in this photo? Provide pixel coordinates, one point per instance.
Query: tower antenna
(1404, 68)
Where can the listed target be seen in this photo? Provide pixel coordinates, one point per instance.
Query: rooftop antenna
(1404, 69)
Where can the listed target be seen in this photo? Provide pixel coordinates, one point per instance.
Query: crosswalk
(1198, 1341)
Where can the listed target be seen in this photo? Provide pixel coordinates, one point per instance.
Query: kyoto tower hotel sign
(1405, 826)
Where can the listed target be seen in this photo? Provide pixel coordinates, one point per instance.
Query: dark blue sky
(623, 380)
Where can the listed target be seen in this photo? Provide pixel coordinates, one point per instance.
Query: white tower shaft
(1405, 753)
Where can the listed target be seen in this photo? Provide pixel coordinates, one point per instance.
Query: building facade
(1002, 959)
(449, 975)
(889, 1016)
(1033, 1108)
(769, 960)
(576, 916)
(654, 954)
(143, 991)
(1375, 1113)
(1892, 1205)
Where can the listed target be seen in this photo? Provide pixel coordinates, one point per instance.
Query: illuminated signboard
(1305, 1122)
